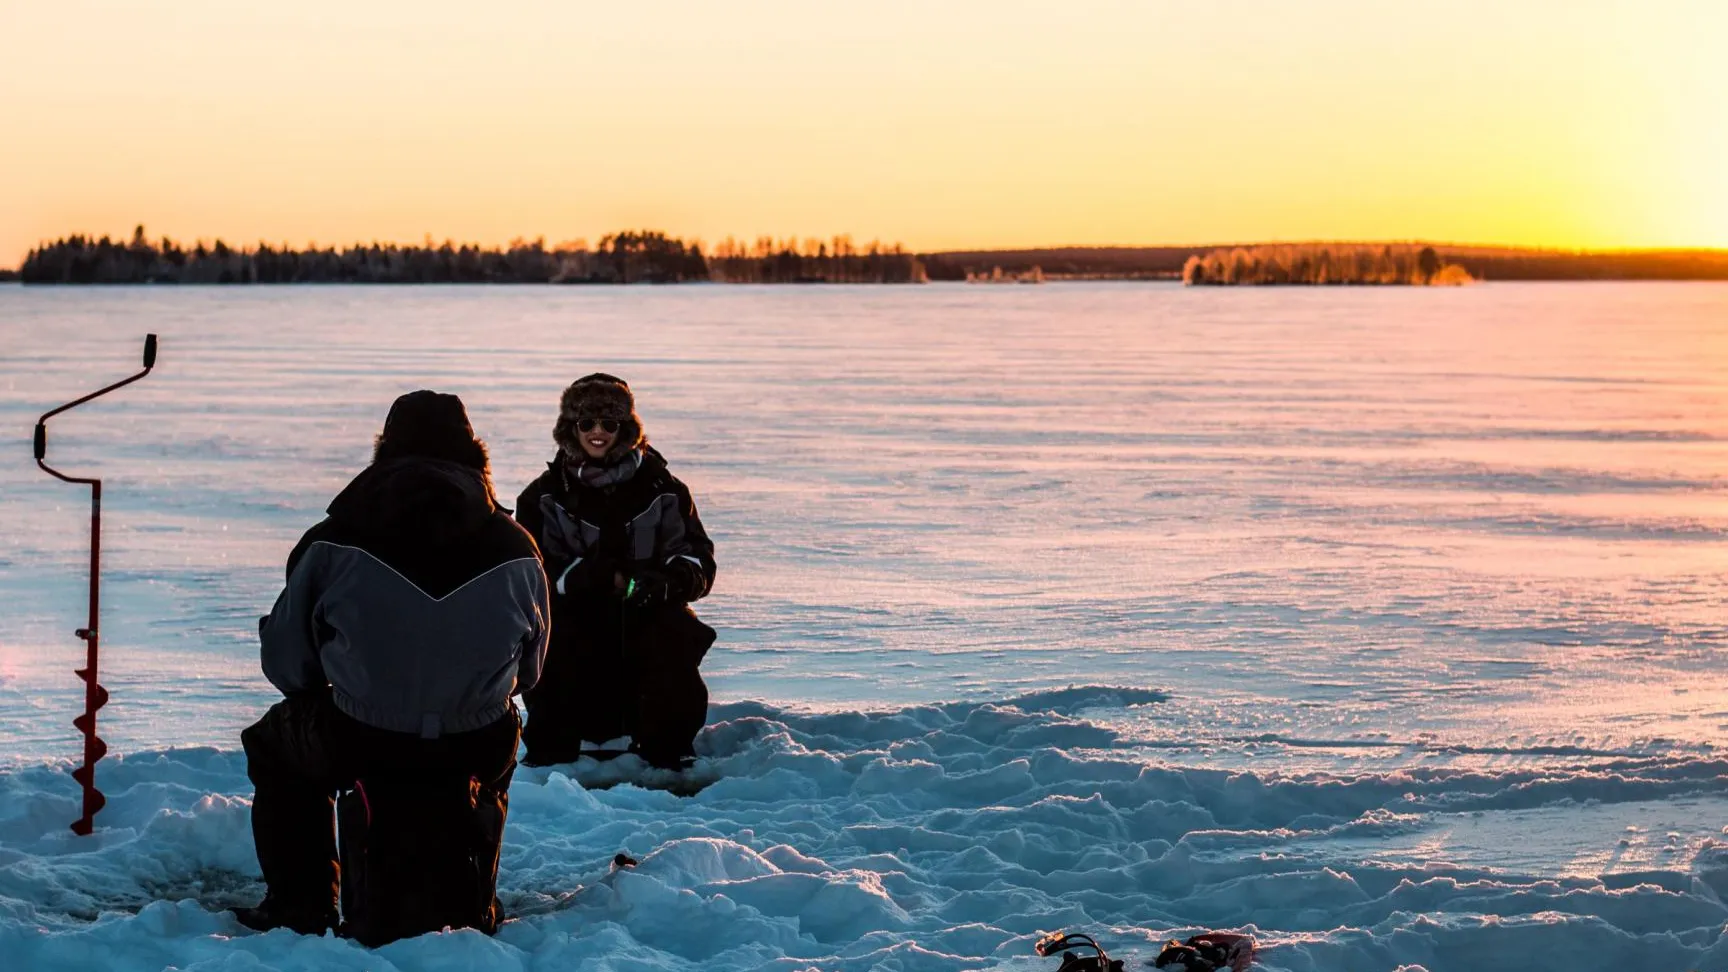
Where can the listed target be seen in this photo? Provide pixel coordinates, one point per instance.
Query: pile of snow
(931, 837)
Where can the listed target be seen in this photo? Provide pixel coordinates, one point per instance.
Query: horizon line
(426, 242)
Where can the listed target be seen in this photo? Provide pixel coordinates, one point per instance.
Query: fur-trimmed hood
(600, 396)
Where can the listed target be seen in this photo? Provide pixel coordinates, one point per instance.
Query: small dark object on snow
(623, 860)
(1100, 962)
(1209, 952)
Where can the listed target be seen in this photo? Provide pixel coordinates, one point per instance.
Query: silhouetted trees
(83, 260)
(1482, 262)
(838, 260)
(622, 258)
(1507, 263)
(1322, 264)
(644, 256)
(650, 256)
(636, 256)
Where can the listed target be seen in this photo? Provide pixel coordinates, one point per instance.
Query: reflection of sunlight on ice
(1433, 847)
(1641, 849)
(1645, 707)
(1584, 840)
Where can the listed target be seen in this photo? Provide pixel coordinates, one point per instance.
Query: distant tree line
(1508, 263)
(620, 257)
(1482, 263)
(1322, 264)
(643, 256)
(646, 256)
(8, 276)
(838, 260)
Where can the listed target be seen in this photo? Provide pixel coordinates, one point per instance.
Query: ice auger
(95, 696)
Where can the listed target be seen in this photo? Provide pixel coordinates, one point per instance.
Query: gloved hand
(688, 580)
(590, 574)
(648, 588)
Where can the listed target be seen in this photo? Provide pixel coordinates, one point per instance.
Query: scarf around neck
(604, 472)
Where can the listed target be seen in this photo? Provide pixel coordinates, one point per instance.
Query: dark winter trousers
(305, 749)
(599, 683)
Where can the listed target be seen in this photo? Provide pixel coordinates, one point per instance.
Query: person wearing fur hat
(626, 554)
(411, 615)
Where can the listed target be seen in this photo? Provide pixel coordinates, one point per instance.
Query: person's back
(412, 576)
(410, 617)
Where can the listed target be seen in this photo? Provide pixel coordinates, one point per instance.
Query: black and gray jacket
(417, 601)
(635, 515)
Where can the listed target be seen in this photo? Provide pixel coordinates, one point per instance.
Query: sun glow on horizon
(1595, 125)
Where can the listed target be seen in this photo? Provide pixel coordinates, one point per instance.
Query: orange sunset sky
(939, 124)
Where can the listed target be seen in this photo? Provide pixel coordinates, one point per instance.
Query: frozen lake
(1437, 573)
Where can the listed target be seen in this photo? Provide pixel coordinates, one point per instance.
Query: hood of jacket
(415, 500)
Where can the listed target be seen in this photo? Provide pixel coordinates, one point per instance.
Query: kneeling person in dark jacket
(626, 553)
(411, 616)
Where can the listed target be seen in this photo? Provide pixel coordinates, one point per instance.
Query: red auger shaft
(95, 696)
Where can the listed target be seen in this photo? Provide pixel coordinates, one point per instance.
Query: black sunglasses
(587, 425)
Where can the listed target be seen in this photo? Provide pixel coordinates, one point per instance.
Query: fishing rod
(95, 696)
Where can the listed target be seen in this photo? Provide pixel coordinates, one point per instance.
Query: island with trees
(1322, 264)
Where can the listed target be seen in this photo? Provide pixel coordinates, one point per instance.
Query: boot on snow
(273, 912)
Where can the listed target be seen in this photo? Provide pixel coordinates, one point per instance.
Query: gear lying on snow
(1100, 962)
(1210, 952)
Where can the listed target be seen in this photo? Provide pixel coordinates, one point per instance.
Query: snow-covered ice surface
(1384, 624)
